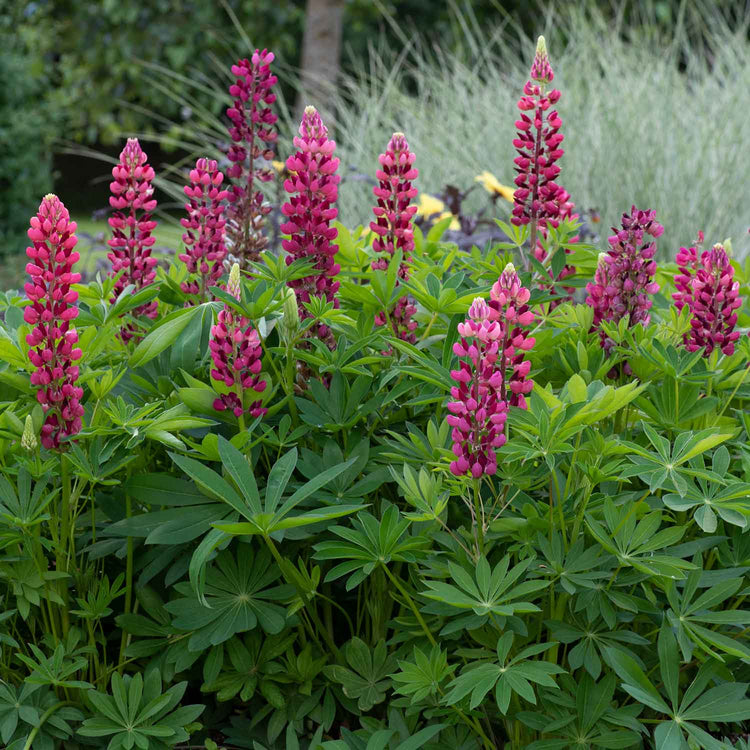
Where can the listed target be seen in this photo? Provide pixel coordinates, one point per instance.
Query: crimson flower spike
(312, 186)
(132, 226)
(712, 295)
(538, 200)
(623, 283)
(393, 227)
(236, 353)
(53, 342)
(205, 224)
(253, 134)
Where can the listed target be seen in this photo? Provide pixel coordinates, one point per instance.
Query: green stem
(311, 611)
(560, 513)
(411, 604)
(128, 582)
(429, 327)
(729, 400)
(32, 735)
(478, 512)
(63, 540)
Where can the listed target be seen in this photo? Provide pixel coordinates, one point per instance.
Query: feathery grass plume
(393, 227)
(204, 239)
(52, 340)
(236, 353)
(712, 295)
(132, 226)
(253, 134)
(623, 283)
(312, 186)
(478, 410)
(509, 307)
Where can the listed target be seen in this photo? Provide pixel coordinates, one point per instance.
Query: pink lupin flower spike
(204, 239)
(623, 283)
(132, 226)
(236, 353)
(312, 186)
(393, 226)
(509, 307)
(52, 340)
(713, 300)
(252, 133)
(478, 410)
(538, 200)
(687, 263)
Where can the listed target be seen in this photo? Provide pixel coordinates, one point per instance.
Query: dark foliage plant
(377, 491)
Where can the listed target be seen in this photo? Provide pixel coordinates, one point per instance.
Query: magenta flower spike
(393, 226)
(713, 300)
(538, 199)
(132, 226)
(312, 186)
(624, 281)
(509, 307)
(252, 133)
(204, 239)
(478, 410)
(236, 353)
(687, 263)
(52, 340)
(493, 374)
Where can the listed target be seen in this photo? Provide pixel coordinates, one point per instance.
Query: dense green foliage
(319, 579)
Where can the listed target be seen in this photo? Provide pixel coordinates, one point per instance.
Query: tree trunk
(321, 49)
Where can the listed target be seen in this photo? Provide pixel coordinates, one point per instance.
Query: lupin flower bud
(132, 226)
(624, 278)
(52, 341)
(236, 353)
(393, 226)
(541, 70)
(713, 301)
(204, 239)
(478, 411)
(312, 188)
(252, 132)
(28, 439)
(290, 313)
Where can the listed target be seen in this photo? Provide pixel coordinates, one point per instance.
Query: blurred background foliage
(80, 68)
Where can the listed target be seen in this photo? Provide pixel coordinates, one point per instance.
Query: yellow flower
(493, 186)
(428, 205)
(433, 208)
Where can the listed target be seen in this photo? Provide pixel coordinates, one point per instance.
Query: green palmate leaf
(163, 335)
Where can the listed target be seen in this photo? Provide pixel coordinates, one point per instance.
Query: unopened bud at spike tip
(233, 285)
(28, 439)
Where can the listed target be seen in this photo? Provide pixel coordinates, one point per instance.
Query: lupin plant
(335, 548)
(312, 188)
(708, 288)
(132, 227)
(205, 224)
(53, 342)
(236, 353)
(393, 227)
(253, 134)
